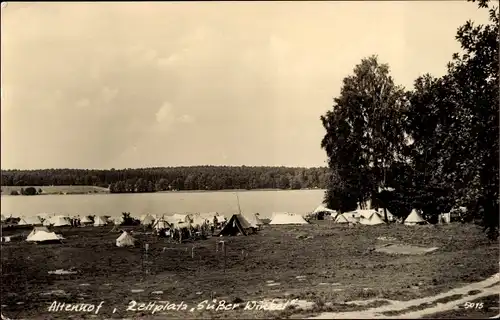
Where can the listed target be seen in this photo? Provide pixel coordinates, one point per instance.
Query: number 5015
(470, 305)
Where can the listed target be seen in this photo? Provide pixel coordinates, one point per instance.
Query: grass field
(336, 265)
(6, 190)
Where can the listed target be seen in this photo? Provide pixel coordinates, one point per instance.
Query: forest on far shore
(173, 178)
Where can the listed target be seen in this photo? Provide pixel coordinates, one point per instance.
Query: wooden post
(192, 252)
(224, 248)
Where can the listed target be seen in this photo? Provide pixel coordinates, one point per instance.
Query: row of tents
(368, 216)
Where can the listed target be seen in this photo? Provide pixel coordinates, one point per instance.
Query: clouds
(97, 80)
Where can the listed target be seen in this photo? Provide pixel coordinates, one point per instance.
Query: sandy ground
(324, 264)
(488, 287)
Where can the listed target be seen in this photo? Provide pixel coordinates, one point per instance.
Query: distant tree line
(173, 178)
(433, 148)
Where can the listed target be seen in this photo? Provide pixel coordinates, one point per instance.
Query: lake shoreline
(101, 192)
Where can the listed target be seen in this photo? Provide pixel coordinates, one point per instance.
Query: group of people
(75, 222)
(192, 232)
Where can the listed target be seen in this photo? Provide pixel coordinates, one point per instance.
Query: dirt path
(488, 287)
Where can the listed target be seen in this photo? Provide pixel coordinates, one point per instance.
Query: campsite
(324, 264)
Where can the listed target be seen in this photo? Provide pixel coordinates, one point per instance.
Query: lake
(225, 202)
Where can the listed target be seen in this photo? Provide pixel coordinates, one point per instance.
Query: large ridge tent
(43, 235)
(374, 219)
(100, 221)
(287, 218)
(125, 240)
(237, 225)
(414, 218)
(37, 229)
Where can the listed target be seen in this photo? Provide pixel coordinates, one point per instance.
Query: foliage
(177, 178)
(128, 220)
(363, 134)
(30, 191)
(449, 154)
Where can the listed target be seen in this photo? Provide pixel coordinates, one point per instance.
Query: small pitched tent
(100, 221)
(287, 218)
(341, 219)
(147, 220)
(414, 218)
(29, 221)
(374, 219)
(125, 240)
(236, 225)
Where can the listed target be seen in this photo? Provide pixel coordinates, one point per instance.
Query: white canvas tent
(374, 219)
(56, 221)
(100, 221)
(85, 220)
(125, 240)
(29, 221)
(3, 218)
(341, 219)
(37, 229)
(351, 217)
(287, 218)
(43, 235)
(253, 219)
(414, 218)
(147, 220)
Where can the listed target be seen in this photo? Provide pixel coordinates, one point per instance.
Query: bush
(14, 193)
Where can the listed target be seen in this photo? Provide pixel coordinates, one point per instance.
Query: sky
(138, 84)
